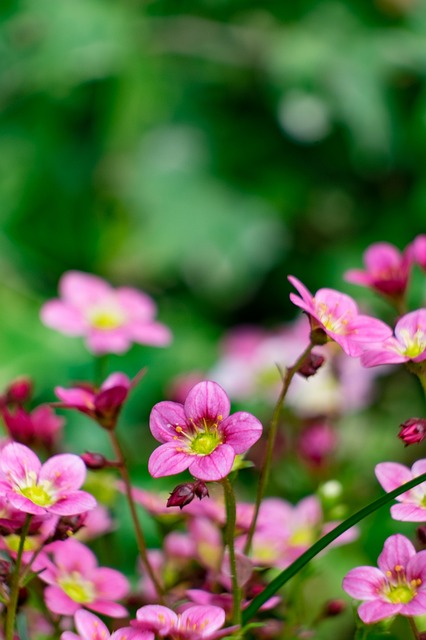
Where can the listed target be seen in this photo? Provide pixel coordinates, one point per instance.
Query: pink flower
(418, 250)
(392, 475)
(337, 315)
(51, 488)
(413, 431)
(195, 623)
(200, 435)
(75, 581)
(110, 319)
(398, 586)
(387, 270)
(103, 404)
(41, 426)
(90, 627)
(409, 342)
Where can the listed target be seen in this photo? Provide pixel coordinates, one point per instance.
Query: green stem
(322, 543)
(266, 467)
(101, 368)
(140, 539)
(414, 629)
(14, 588)
(231, 518)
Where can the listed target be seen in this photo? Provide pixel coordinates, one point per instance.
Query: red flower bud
(19, 391)
(334, 608)
(310, 365)
(413, 431)
(95, 460)
(67, 526)
(185, 493)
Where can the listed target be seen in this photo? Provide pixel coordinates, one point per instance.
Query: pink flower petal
(127, 633)
(110, 584)
(207, 400)
(215, 466)
(375, 357)
(396, 551)
(203, 619)
(66, 472)
(392, 475)
(108, 608)
(363, 583)
(241, 431)
(17, 462)
(376, 610)
(368, 329)
(307, 296)
(357, 276)
(166, 460)
(108, 341)
(157, 618)
(82, 399)
(58, 602)
(74, 503)
(165, 416)
(136, 304)
(408, 512)
(83, 290)
(154, 334)
(116, 379)
(73, 555)
(90, 626)
(63, 317)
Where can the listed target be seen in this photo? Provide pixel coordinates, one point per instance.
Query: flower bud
(421, 535)
(310, 365)
(334, 608)
(67, 526)
(413, 431)
(185, 493)
(19, 391)
(200, 489)
(96, 461)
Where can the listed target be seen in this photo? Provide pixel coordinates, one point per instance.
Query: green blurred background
(202, 151)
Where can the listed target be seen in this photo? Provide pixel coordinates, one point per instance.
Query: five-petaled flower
(337, 315)
(200, 435)
(398, 586)
(412, 503)
(110, 319)
(197, 622)
(408, 344)
(41, 489)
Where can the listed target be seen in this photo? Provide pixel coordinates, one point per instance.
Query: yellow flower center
(38, 495)
(401, 594)
(303, 537)
(205, 443)
(414, 344)
(106, 319)
(77, 588)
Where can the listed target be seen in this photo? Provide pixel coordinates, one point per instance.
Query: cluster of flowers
(222, 555)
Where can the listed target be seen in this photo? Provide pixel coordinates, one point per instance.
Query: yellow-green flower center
(12, 543)
(205, 443)
(106, 319)
(332, 319)
(77, 588)
(414, 344)
(38, 495)
(401, 594)
(302, 537)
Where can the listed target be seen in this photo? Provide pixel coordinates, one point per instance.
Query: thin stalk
(100, 368)
(231, 518)
(266, 467)
(14, 587)
(416, 632)
(140, 538)
(322, 543)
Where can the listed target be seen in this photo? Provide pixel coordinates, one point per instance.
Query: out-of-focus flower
(110, 319)
(195, 623)
(317, 442)
(413, 431)
(398, 586)
(90, 627)
(76, 582)
(39, 427)
(18, 392)
(418, 250)
(337, 315)
(51, 488)
(408, 344)
(104, 404)
(392, 475)
(200, 435)
(387, 270)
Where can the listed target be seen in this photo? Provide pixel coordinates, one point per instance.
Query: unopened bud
(310, 365)
(412, 431)
(19, 391)
(95, 460)
(185, 493)
(421, 535)
(67, 526)
(334, 608)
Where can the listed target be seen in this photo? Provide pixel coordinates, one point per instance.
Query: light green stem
(231, 518)
(140, 538)
(266, 467)
(322, 543)
(15, 585)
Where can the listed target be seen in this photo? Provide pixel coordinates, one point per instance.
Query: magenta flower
(387, 270)
(418, 250)
(398, 586)
(337, 315)
(41, 426)
(200, 435)
(391, 475)
(75, 581)
(110, 319)
(51, 488)
(409, 342)
(90, 627)
(195, 623)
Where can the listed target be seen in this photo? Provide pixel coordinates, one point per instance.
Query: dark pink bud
(108, 404)
(182, 494)
(200, 490)
(421, 535)
(95, 460)
(310, 365)
(67, 526)
(19, 391)
(334, 608)
(412, 431)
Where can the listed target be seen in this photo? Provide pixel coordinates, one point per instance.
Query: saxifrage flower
(200, 435)
(337, 315)
(110, 319)
(398, 586)
(197, 622)
(408, 344)
(412, 503)
(52, 488)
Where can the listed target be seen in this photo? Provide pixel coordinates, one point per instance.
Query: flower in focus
(337, 315)
(387, 270)
(90, 627)
(408, 344)
(200, 435)
(413, 431)
(40, 489)
(75, 581)
(110, 319)
(104, 404)
(398, 586)
(197, 622)
(391, 475)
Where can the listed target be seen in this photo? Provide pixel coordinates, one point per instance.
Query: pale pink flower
(195, 623)
(392, 475)
(337, 315)
(408, 344)
(398, 586)
(386, 270)
(200, 435)
(110, 319)
(51, 488)
(90, 627)
(75, 581)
